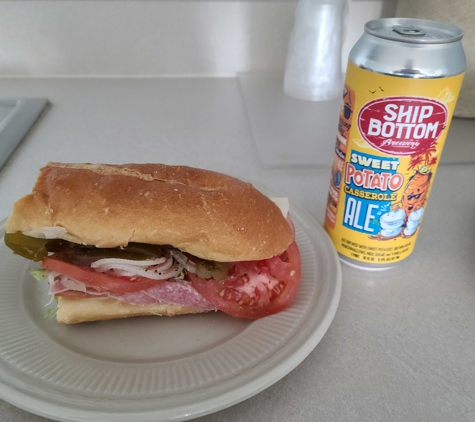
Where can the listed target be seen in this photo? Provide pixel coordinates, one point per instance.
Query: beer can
(402, 83)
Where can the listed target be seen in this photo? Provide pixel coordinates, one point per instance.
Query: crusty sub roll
(208, 214)
(74, 311)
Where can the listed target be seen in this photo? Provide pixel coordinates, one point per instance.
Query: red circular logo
(402, 125)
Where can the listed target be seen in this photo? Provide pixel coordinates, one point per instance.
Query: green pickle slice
(212, 269)
(26, 246)
(36, 249)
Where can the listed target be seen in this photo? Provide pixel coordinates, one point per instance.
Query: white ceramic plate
(152, 368)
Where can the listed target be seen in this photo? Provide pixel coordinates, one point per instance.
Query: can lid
(416, 31)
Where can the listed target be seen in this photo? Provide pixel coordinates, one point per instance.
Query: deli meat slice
(175, 291)
(178, 291)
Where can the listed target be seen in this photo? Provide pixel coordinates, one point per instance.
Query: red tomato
(254, 289)
(99, 281)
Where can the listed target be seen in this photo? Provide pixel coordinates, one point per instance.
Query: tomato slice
(254, 289)
(99, 281)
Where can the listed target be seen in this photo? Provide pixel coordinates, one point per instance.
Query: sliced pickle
(94, 254)
(36, 249)
(57, 245)
(147, 250)
(212, 269)
(84, 255)
(26, 246)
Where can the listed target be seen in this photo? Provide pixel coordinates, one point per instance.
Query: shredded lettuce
(51, 312)
(39, 274)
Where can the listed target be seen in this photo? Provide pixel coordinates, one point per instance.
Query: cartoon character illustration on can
(406, 215)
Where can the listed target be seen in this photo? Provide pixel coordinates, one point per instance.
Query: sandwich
(117, 241)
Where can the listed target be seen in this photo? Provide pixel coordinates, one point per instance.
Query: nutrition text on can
(402, 84)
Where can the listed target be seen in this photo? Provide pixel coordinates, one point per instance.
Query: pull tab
(409, 30)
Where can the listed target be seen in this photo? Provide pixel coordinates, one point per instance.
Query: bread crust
(204, 213)
(75, 311)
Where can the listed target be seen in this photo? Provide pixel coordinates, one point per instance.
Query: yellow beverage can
(398, 103)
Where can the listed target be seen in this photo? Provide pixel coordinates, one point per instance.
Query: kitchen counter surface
(401, 346)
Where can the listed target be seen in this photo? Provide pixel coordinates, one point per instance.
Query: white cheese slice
(283, 204)
(47, 232)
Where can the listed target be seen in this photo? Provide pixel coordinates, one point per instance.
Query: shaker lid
(416, 31)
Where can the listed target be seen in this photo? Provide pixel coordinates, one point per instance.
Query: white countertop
(401, 346)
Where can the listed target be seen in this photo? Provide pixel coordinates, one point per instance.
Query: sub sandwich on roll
(118, 241)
